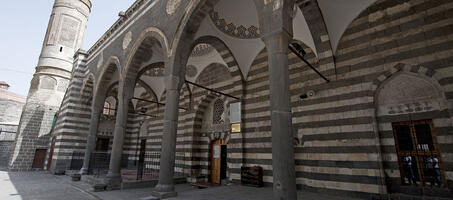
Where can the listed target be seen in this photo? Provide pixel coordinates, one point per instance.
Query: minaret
(63, 38)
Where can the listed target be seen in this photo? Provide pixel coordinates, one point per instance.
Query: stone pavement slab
(38, 186)
(233, 192)
(44, 186)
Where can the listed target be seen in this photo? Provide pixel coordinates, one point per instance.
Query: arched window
(217, 112)
(106, 108)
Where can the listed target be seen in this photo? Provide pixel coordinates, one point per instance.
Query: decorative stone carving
(47, 82)
(127, 40)
(62, 85)
(201, 50)
(69, 31)
(234, 30)
(412, 107)
(155, 71)
(408, 93)
(173, 6)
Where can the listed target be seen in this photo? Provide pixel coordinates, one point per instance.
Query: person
(407, 162)
(436, 172)
(429, 169)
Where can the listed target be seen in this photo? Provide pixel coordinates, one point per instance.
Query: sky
(23, 29)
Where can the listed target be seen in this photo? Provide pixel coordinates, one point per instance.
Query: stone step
(400, 196)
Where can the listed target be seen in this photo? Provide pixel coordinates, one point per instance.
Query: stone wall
(5, 153)
(34, 116)
(10, 110)
(72, 126)
(343, 146)
(7, 137)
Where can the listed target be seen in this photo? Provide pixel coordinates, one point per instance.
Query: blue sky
(23, 29)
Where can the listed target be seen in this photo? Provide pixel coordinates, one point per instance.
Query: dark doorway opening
(40, 157)
(102, 144)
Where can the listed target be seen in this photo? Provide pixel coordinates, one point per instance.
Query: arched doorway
(410, 109)
(215, 128)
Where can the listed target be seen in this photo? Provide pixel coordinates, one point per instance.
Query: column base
(161, 195)
(162, 191)
(113, 181)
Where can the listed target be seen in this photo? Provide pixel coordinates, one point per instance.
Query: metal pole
(311, 66)
(151, 101)
(212, 90)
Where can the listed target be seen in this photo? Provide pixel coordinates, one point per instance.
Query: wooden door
(141, 160)
(40, 157)
(216, 160)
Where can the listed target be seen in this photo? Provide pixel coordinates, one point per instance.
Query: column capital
(276, 34)
(277, 41)
(276, 16)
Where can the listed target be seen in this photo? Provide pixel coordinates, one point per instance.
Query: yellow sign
(236, 128)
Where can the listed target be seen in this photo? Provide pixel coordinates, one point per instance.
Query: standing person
(407, 162)
(429, 170)
(436, 170)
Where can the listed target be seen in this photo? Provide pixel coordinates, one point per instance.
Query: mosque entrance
(218, 161)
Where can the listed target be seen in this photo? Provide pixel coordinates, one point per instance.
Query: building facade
(11, 105)
(352, 99)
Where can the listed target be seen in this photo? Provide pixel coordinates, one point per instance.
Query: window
(418, 155)
(107, 108)
(218, 112)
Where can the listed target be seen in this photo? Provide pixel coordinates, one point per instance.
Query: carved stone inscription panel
(69, 31)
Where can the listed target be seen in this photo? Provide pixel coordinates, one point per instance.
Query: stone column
(113, 179)
(165, 188)
(96, 110)
(283, 163)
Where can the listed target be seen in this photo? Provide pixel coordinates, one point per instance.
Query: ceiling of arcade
(235, 22)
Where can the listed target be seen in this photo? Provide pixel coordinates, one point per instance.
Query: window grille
(107, 108)
(217, 112)
(418, 154)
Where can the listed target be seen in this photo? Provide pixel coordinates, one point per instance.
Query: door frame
(52, 148)
(416, 152)
(218, 164)
(39, 161)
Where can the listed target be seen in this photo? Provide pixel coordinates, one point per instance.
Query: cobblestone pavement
(43, 186)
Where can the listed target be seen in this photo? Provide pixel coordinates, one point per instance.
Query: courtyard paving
(44, 186)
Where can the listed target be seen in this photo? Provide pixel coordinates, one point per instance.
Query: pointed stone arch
(405, 93)
(87, 90)
(107, 73)
(224, 51)
(428, 74)
(143, 50)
